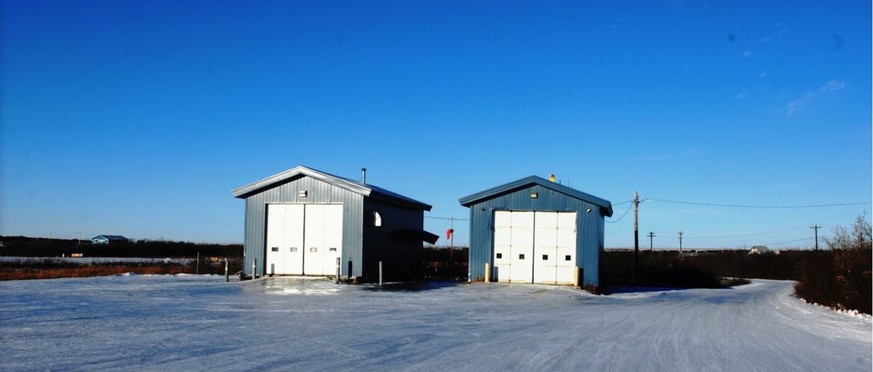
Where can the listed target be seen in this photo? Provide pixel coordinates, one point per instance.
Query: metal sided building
(536, 231)
(300, 221)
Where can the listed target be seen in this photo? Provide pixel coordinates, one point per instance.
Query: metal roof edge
(394, 198)
(363, 189)
(469, 200)
(253, 187)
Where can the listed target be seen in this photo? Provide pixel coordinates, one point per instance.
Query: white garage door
(534, 247)
(303, 239)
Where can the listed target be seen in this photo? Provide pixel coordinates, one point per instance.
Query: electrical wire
(447, 218)
(622, 216)
(790, 241)
(759, 206)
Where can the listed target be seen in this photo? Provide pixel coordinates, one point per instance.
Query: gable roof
(605, 205)
(366, 190)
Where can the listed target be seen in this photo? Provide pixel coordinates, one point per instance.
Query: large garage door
(534, 247)
(303, 239)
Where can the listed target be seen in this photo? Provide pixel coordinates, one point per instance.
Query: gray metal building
(536, 231)
(300, 221)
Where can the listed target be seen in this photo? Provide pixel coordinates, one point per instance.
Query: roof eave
(605, 206)
(255, 187)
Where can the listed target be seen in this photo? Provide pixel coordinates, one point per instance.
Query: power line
(447, 218)
(759, 206)
(790, 241)
(624, 214)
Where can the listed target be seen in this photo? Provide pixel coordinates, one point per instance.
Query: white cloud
(832, 85)
(793, 106)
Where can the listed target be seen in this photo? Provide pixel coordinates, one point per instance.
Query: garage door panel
(522, 229)
(275, 238)
(520, 268)
(502, 245)
(545, 241)
(333, 238)
(546, 221)
(294, 238)
(537, 247)
(566, 249)
(303, 239)
(544, 268)
(522, 247)
(284, 238)
(567, 229)
(314, 240)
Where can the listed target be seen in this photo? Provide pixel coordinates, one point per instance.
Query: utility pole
(680, 242)
(815, 227)
(636, 237)
(651, 235)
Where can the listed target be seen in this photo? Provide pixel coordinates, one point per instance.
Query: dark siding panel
(400, 255)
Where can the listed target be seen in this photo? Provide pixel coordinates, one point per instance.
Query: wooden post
(380, 273)
(197, 270)
(338, 260)
(487, 273)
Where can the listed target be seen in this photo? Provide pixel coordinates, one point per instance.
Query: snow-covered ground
(200, 322)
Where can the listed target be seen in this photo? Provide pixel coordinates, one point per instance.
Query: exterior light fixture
(302, 194)
(534, 195)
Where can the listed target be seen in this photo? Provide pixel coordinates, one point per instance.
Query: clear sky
(138, 118)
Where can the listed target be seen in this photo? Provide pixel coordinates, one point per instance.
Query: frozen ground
(200, 322)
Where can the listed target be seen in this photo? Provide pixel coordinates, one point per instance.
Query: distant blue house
(108, 239)
(536, 231)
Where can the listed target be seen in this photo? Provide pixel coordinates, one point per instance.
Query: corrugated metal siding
(589, 227)
(318, 192)
(400, 255)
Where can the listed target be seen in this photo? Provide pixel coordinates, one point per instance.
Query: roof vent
(364, 175)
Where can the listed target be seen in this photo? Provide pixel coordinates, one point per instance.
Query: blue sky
(139, 117)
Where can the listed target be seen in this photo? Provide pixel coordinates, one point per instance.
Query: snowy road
(200, 322)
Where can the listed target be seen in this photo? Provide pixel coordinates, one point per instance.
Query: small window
(313, 249)
(332, 249)
(545, 257)
(521, 256)
(274, 249)
(500, 255)
(293, 249)
(567, 258)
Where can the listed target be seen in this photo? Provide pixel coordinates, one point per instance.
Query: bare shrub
(841, 277)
